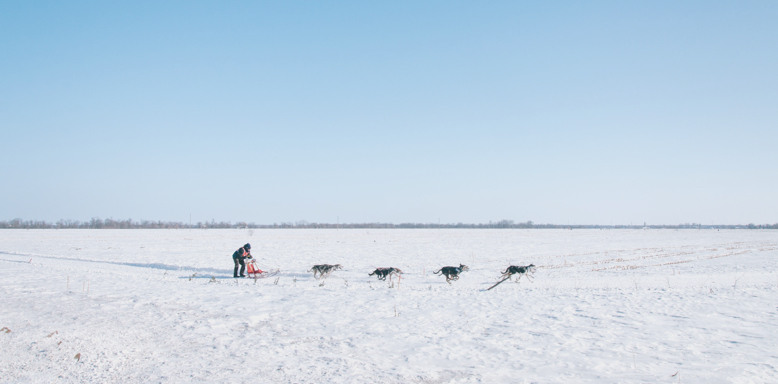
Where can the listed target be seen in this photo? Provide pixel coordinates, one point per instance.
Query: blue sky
(555, 112)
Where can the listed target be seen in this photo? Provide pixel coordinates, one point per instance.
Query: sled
(253, 271)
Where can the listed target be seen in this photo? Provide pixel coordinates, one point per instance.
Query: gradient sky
(616, 112)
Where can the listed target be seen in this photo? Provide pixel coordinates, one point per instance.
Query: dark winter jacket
(241, 254)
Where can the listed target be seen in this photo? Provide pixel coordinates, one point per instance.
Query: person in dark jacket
(241, 254)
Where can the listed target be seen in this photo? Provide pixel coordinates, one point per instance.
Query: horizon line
(97, 223)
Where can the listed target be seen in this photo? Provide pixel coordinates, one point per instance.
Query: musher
(241, 254)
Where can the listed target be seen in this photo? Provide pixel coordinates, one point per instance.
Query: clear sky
(614, 112)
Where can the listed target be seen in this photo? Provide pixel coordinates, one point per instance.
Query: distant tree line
(97, 223)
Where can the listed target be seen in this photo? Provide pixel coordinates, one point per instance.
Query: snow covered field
(628, 306)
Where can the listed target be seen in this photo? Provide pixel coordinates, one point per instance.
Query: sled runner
(253, 271)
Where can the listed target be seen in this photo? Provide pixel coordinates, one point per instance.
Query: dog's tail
(438, 271)
(373, 273)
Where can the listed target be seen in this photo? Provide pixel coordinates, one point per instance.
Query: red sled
(254, 272)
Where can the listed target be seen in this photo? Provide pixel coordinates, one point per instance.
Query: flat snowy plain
(606, 306)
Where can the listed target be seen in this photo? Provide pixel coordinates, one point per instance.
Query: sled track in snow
(160, 266)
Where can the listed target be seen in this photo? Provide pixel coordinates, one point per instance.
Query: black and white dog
(526, 270)
(324, 270)
(452, 273)
(382, 273)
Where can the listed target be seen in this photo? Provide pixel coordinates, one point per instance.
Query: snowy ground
(628, 306)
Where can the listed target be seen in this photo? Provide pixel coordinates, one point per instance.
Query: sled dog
(452, 273)
(526, 270)
(324, 270)
(382, 273)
